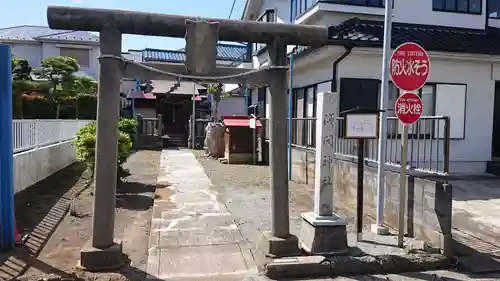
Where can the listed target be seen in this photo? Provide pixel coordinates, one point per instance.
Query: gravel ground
(245, 190)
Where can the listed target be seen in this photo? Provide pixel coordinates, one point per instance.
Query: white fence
(28, 134)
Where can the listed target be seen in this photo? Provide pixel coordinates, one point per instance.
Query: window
(458, 6)
(493, 8)
(267, 16)
(299, 7)
(436, 99)
(368, 3)
(423, 127)
(82, 56)
(293, 9)
(303, 112)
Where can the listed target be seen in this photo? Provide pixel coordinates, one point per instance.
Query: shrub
(85, 141)
(128, 125)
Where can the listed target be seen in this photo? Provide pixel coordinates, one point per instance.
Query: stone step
(250, 276)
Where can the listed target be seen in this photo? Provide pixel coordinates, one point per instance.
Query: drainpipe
(335, 64)
(246, 100)
(290, 109)
(138, 89)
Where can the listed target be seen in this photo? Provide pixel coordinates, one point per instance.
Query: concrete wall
(35, 165)
(303, 165)
(429, 202)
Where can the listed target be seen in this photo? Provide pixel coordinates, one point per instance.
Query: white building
(35, 43)
(464, 82)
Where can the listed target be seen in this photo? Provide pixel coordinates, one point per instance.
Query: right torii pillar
(278, 242)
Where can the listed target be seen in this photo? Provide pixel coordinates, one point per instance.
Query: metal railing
(428, 144)
(303, 131)
(28, 134)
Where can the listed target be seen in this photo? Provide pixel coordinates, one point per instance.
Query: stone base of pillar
(380, 230)
(277, 247)
(323, 235)
(95, 259)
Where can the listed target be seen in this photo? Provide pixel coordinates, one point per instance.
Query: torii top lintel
(133, 22)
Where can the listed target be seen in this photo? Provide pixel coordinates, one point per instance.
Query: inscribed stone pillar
(324, 232)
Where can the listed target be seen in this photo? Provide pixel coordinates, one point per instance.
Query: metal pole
(382, 149)
(7, 239)
(290, 109)
(360, 193)
(193, 120)
(402, 189)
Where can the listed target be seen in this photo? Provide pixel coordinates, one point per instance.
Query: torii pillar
(103, 251)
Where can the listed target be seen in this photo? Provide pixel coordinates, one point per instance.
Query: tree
(217, 95)
(75, 88)
(58, 70)
(21, 83)
(21, 69)
(85, 85)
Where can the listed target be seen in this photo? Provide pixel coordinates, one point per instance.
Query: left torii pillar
(103, 251)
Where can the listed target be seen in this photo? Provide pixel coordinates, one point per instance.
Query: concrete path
(476, 203)
(193, 234)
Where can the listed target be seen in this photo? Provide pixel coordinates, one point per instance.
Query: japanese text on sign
(409, 106)
(401, 66)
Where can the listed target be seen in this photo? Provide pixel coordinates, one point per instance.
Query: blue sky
(33, 12)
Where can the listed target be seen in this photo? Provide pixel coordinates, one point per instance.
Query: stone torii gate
(104, 251)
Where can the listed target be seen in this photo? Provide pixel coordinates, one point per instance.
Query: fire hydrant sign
(409, 66)
(408, 108)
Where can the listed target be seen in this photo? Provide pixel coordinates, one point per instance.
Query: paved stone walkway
(476, 203)
(193, 234)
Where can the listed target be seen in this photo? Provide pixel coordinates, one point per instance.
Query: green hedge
(39, 107)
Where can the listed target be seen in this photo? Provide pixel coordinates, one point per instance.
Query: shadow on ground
(136, 195)
(39, 209)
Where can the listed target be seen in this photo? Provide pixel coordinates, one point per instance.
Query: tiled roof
(368, 33)
(33, 33)
(224, 52)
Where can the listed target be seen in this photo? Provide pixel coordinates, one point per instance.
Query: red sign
(409, 66)
(408, 108)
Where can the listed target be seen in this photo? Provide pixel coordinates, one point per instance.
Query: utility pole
(379, 228)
